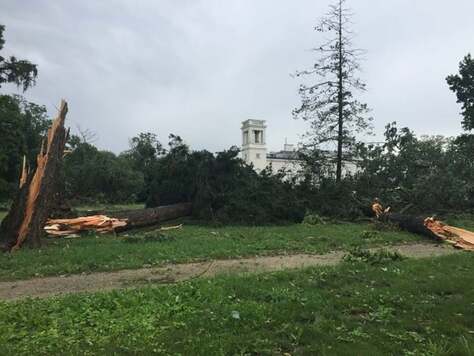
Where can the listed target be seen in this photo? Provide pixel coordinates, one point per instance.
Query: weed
(378, 257)
(313, 219)
(366, 234)
(153, 236)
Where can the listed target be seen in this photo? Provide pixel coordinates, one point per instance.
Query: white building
(254, 151)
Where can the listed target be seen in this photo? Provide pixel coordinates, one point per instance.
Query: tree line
(426, 174)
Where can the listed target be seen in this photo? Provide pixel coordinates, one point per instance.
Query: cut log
(117, 221)
(32, 205)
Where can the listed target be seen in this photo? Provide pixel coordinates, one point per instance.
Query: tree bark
(151, 216)
(340, 103)
(410, 223)
(32, 205)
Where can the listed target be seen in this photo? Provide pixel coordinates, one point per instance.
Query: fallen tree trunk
(151, 216)
(32, 205)
(410, 223)
(426, 226)
(117, 221)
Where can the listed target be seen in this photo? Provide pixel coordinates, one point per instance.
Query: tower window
(245, 137)
(257, 136)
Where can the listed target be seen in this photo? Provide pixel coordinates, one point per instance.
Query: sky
(199, 68)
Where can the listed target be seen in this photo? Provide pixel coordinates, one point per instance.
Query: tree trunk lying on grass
(33, 203)
(427, 226)
(117, 220)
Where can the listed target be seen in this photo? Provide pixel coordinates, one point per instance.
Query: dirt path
(102, 281)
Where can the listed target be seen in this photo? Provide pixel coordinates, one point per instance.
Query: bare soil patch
(172, 273)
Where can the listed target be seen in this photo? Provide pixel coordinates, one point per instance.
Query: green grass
(408, 307)
(191, 243)
(109, 207)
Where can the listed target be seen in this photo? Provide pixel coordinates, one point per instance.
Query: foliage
(430, 173)
(463, 85)
(191, 243)
(99, 176)
(145, 149)
(17, 71)
(222, 188)
(328, 100)
(22, 126)
(409, 307)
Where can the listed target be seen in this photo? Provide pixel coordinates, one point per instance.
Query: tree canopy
(463, 85)
(328, 101)
(17, 71)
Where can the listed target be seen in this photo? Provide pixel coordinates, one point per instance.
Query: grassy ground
(191, 243)
(109, 207)
(408, 307)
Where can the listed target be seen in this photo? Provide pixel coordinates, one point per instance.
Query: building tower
(254, 149)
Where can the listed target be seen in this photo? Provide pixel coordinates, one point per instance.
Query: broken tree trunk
(32, 205)
(117, 221)
(151, 216)
(426, 226)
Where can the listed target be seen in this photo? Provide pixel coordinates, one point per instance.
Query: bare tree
(327, 101)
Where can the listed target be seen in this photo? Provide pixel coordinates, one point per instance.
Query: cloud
(199, 68)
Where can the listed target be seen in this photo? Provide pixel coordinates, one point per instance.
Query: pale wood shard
(429, 227)
(118, 221)
(24, 173)
(458, 237)
(98, 223)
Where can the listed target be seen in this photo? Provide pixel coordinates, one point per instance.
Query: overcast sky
(199, 68)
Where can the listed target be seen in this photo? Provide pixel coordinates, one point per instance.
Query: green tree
(99, 176)
(18, 71)
(22, 127)
(145, 149)
(328, 101)
(463, 85)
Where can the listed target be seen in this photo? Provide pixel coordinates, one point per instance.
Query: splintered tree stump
(38, 187)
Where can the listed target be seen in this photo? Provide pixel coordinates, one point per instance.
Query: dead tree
(38, 187)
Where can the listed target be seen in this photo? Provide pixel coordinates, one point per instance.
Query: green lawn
(191, 243)
(408, 307)
(108, 207)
